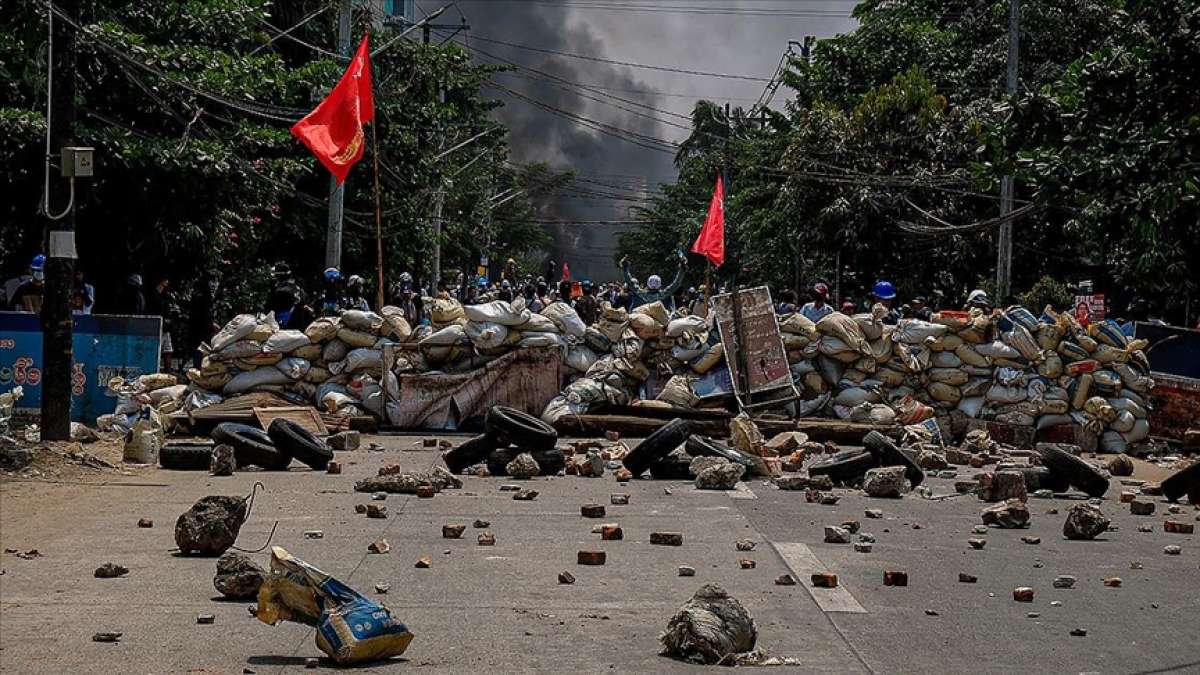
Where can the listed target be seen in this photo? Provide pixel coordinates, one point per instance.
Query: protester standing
(653, 291)
(818, 307)
(586, 306)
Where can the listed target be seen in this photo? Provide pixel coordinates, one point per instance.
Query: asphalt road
(502, 609)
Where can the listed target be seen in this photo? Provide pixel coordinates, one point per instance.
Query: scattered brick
(611, 533)
(453, 531)
(379, 546)
(619, 499)
(591, 558)
(424, 562)
(592, 510)
(486, 539)
(1023, 594)
(895, 578)
(426, 491)
(666, 538)
(565, 577)
(825, 580)
(785, 580)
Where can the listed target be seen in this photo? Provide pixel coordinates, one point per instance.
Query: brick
(785, 580)
(453, 531)
(977, 544)
(623, 475)
(430, 442)
(825, 580)
(1064, 581)
(1006, 434)
(1023, 594)
(592, 511)
(565, 577)
(666, 538)
(145, 522)
(612, 436)
(828, 499)
(1127, 496)
(424, 562)
(619, 499)
(379, 546)
(1140, 507)
(964, 578)
(1112, 582)
(745, 544)
(426, 491)
(1176, 527)
(686, 571)
(1029, 539)
(591, 558)
(746, 563)
(376, 511)
(612, 533)
(360, 508)
(895, 578)
(486, 539)
(851, 525)
(334, 467)
(390, 470)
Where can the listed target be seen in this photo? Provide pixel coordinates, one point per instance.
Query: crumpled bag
(709, 628)
(351, 628)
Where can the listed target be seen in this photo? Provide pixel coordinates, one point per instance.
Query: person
(586, 306)
(355, 297)
(699, 305)
(28, 294)
(978, 299)
(505, 293)
(131, 300)
(885, 294)
(653, 291)
(285, 295)
(819, 307)
(535, 297)
(509, 273)
(920, 310)
(409, 301)
(331, 292)
(848, 307)
(162, 303)
(85, 291)
(787, 302)
(202, 315)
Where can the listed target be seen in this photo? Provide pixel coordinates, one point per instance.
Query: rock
(566, 577)
(964, 578)
(1140, 507)
(820, 482)
(1001, 486)
(862, 547)
(1031, 540)
(523, 466)
(379, 496)
(886, 482)
(376, 511)
(623, 475)
(314, 534)
(238, 577)
(710, 627)
(382, 588)
(1023, 594)
(792, 482)
(962, 487)
(145, 522)
(932, 461)
(699, 464)
(612, 436)
(786, 442)
(1011, 514)
(794, 461)
(312, 662)
(205, 619)
(745, 544)
(211, 526)
(590, 466)
(453, 531)
(1121, 465)
(360, 508)
(824, 580)
(686, 571)
(666, 538)
(979, 529)
(591, 558)
(873, 513)
(379, 546)
(110, 571)
(222, 462)
(1064, 581)
(347, 440)
(1176, 527)
(619, 499)
(785, 580)
(486, 539)
(867, 537)
(481, 524)
(745, 436)
(1112, 582)
(836, 535)
(1084, 521)
(525, 495)
(977, 544)
(746, 563)
(611, 533)
(409, 482)
(15, 458)
(1078, 632)
(509, 487)
(895, 578)
(720, 477)
(1172, 549)
(424, 562)
(426, 491)
(827, 499)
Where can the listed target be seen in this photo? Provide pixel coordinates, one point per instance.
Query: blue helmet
(332, 274)
(884, 290)
(38, 262)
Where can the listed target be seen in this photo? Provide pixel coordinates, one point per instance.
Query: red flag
(334, 131)
(711, 242)
(566, 273)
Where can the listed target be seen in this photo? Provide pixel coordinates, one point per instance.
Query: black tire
(511, 426)
(845, 466)
(469, 453)
(703, 446)
(658, 444)
(186, 457)
(1183, 482)
(1042, 478)
(887, 454)
(251, 446)
(299, 443)
(550, 462)
(671, 467)
(1073, 470)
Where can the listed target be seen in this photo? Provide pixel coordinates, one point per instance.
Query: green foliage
(1047, 291)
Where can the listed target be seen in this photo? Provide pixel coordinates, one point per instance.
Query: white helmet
(978, 297)
(654, 282)
(355, 280)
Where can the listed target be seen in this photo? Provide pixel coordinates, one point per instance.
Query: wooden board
(305, 416)
(763, 353)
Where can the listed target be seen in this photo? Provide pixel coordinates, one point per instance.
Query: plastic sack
(835, 348)
(645, 326)
(915, 331)
(798, 324)
(997, 349)
(395, 325)
(846, 329)
(237, 350)
(873, 413)
(913, 358)
(968, 355)
(628, 346)
(1139, 432)
(285, 341)
(1106, 381)
(852, 397)
(485, 334)
(498, 312)
(445, 311)
(1122, 404)
(1019, 338)
(580, 358)
(1051, 366)
(364, 359)
(951, 376)
(870, 325)
(1108, 332)
(999, 393)
(1020, 316)
(322, 329)
(357, 319)
(829, 369)
(654, 310)
(357, 338)
(1113, 442)
(689, 324)
(243, 382)
(238, 328)
(1080, 390)
(539, 340)
(351, 628)
(536, 323)
(294, 367)
(565, 318)
(446, 337)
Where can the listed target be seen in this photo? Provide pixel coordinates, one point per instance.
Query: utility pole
(1004, 244)
(333, 235)
(57, 350)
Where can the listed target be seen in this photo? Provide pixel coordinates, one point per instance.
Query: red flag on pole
(334, 131)
(566, 272)
(711, 242)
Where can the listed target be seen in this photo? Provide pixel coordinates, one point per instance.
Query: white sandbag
(1139, 432)
(1019, 339)
(451, 335)
(498, 312)
(846, 329)
(580, 358)
(247, 381)
(944, 393)
(711, 358)
(870, 325)
(997, 350)
(294, 367)
(945, 360)
(835, 348)
(873, 413)
(976, 387)
(335, 350)
(322, 329)
(536, 323)
(238, 350)
(238, 328)
(336, 401)
(687, 324)
(915, 331)
(628, 346)
(852, 397)
(565, 318)
(285, 341)
(356, 319)
(539, 340)
(999, 393)
(971, 406)
(968, 355)
(395, 324)
(654, 310)
(357, 338)
(485, 334)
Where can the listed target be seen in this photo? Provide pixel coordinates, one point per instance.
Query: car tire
(1183, 482)
(469, 453)
(299, 443)
(703, 446)
(509, 426)
(845, 466)
(658, 444)
(671, 467)
(550, 462)
(186, 457)
(888, 454)
(251, 446)
(1072, 469)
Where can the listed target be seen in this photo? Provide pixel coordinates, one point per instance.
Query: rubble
(376, 511)
(238, 577)
(592, 510)
(836, 535)
(1112, 582)
(863, 547)
(211, 525)
(409, 482)
(110, 571)
(525, 495)
(565, 577)
(379, 546)
(145, 522)
(895, 578)
(824, 580)
(222, 462)
(611, 533)
(1007, 515)
(1001, 486)
(205, 619)
(710, 628)
(785, 580)
(1121, 465)
(792, 482)
(746, 563)
(333, 467)
(1176, 527)
(686, 571)
(523, 466)
(619, 499)
(486, 539)
(1023, 594)
(666, 538)
(1033, 541)
(886, 482)
(1140, 507)
(453, 531)
(1084, 521)
(720, 477)
(964, 578)
(873, 513)
(699, 464)
(1172, 549)
(106, 637)
(745, 545)
(977, 544)
(344, 440)
(424, 563)
(591, 558)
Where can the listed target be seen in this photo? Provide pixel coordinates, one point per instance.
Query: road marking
(742, 491)
(803, 564)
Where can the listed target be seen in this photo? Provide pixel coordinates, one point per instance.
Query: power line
(683, 9)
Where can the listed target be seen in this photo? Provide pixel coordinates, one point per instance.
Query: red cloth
(711, 242)
(566, 273)
(334, 131)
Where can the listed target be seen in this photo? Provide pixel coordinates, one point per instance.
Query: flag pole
(379, 291)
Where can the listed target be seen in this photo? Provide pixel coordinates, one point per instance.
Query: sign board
(763, 352)
(1089, 308)
(104, 347)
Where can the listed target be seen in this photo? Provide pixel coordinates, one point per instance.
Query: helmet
(822, 290)
(884, 290)
(332, 274)
(482, 282)
(978, 297)
(355, 280)
(405, 278)
(281, 270)
(505, 285)
(134, 280)
(654, 282)
(38, 262)
(587, 283)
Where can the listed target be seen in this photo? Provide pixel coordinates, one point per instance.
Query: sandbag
(565, 318)
(846, 329)
(367, 322)
(944, 393)
(852, 397)
(1106, 381)
(498, 312)
(967, 354)
(1123, 404)
(628, 346)
(813, 382)
(913, 358)
(950, 376)
(971, 406)
(915, 331)
(237, 350)
(264, 327)
(1080, 390)
(709, 359)
(655, 310)
(322, 329)
(539, 340)
(945, 360)
(317, 375)
(1049, 335)
(870, 325)
(798, 324)
(678, 391)
(1112, 442)
(356, 338)
(1055, 407)
(1020, 316)
(335, 350)
(364, 359)
(690, 324)
(1139, 432)
(999, 393)
(596, 341)
(445, 311)
(485, 334)
(536, 323)
(294, 367)
(829, 369)
(1019, 338)
(976, 386)
(395, 324)
(1051, 365)
(645, 326)
(238, 328)
(1109, 333)
(890, 378)
(285, 341)
(451, 335)
(253, 379)
(1123, 422)
(949, 342)
(579, 358)
(309, 352)
(997, 350)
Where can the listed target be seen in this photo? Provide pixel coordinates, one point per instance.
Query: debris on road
(379, 546)
(965, 578)
(746, 563)
(409, 482)
(222, 462)
(523, 466)
(785, 580)
(377, 511)
(666, 538)
(1172, 549)
(723, 476)
(977, 544)
(591, 558)
(481, 524)
(592, 510)
(145, 522)
(885, 482)
(1028, 539)
(1064, 581)
(343, 440)
(424, 562)
(110, 571)
(895, 578)
(315, 534)
(333, 467)
(619, 499)
(211, 525)
(686, 571)
(1010, 514)
(1085, 521)
(486, 539)
(611, 533)
(710, 628)
(1023, 594)
(238, 577)
(565, 577)
(1139, 507)
(1176, 527)
(205, 619)
(525, 495)
(836, 535)
(106, 637)
(745, 544)
(1112, 582)
(824, 580)
(453, 531)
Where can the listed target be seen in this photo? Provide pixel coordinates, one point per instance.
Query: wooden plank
(303, 415)
(848, 433)
(803, 564)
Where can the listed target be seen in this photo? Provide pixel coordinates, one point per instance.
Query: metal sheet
(765, 356)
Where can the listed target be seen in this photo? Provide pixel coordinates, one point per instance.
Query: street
(503, 609)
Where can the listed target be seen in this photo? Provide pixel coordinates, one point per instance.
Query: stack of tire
(508, 432)
(660, 452)
(849, 466)
(270, 450)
